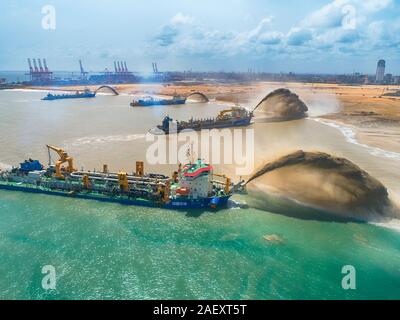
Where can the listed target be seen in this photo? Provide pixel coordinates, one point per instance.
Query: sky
(316, 36)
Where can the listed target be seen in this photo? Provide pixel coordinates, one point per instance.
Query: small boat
(151, 101)
(234, 117)
(78, 95)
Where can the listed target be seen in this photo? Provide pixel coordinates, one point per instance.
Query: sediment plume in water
(321, 181)
(198, 97)
(281, 105)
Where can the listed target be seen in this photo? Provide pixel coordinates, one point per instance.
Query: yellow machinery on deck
(234, 111)
(123, 181)
(140, 168)
(64, 158)
(226, 183)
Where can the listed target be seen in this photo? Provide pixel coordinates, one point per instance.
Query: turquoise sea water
(113, 251)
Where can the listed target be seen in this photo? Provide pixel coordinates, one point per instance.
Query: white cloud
(322, 32)
(375, 5)
(182, 36)
(332, 14)
(328, 16)
(299, 36)
(181, 19)
(272, 37)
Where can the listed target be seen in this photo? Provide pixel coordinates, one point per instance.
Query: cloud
(181, 19)
(376, 5)
(333, 14)
(182, 36)
(348, 36)
(341, 27)
(271, 38)
(167, 36)
(298, 36)
(170, 32)
(329, 16)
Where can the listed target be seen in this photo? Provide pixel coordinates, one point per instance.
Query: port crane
(64, 158)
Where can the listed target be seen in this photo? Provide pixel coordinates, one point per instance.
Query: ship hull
(174, 204)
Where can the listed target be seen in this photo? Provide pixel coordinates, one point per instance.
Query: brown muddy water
(107, 130)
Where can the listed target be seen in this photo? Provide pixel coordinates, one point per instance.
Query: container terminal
(40, 74)
(192, 186)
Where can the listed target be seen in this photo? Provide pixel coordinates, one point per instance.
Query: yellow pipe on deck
(140, 168)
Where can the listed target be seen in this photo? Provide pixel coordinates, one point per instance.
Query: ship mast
(50, 162)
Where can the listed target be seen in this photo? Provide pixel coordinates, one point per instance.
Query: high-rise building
(380, 71)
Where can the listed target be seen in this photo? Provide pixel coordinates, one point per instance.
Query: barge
(77, 95)
(151, 101)
(192, 186)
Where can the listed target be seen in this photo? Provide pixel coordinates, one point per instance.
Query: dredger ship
(150, 101)
(78, 95)
(192, 186)
(234, 117)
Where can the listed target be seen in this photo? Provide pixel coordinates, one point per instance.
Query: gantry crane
(64, 158)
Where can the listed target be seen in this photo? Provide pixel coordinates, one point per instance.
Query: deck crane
(64, 157)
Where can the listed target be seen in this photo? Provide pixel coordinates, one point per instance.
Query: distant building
(388, 78)
(3, 80)
(396, 80)
(380, 71)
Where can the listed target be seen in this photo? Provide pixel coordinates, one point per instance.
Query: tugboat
(234, 117)
(192, 186)
(151, 101)
(78, 95)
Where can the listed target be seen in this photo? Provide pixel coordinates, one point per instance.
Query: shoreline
(374, 135)
(351, 133)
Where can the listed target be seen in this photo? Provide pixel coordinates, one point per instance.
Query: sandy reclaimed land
(373, 116)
